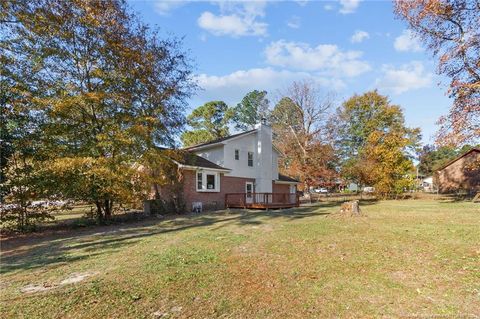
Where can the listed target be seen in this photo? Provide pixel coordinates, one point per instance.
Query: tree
(24, 187)
(104, 88)
(384, 163)
(208, 122)
(299, 124)
(251, 110)
(432, 158)
(451, 31)
(374, 145)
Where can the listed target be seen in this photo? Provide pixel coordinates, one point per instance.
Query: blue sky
(345, 47)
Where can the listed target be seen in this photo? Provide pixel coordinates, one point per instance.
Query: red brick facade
(211, 200)
(463, 174)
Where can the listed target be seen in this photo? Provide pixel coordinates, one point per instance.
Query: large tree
(208, 122)
(451, 31)
(299, 122)
(374, 145)
(251, 110)
(104, 88)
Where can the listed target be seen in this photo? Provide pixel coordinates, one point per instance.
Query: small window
(210, 181)
(199, 181)
(237, 155)
(250, 159)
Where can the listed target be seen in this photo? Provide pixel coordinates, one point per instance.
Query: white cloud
(328, 7)
(407, 77)
(359, 36)
(232, 87)
(325, 58)
(294, 22)
(302, 3)
(164, 7)
(348, 6)
(235, 19)
(407, 42)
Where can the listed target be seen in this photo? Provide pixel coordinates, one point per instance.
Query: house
(427, 183)
(240, 170)
(460, 174)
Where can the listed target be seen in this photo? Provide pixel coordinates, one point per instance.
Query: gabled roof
(473, 150)
(285, 178)
(193, 160)
(219, 140)
(226, 138)
(188, 159)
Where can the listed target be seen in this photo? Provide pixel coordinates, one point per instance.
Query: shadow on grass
(42, 250)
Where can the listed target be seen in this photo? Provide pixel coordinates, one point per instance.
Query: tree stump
(476, 199)
(351, 208)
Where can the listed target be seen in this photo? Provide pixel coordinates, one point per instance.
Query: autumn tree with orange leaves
(451, 31)
(299, 122)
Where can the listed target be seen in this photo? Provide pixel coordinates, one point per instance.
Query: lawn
(406, 258)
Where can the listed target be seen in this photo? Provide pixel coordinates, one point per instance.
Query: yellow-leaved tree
(97, 90)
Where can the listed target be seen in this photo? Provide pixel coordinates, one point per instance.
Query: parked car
(321, 190)
(368, 189)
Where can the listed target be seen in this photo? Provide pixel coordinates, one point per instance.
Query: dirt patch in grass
(72, 279)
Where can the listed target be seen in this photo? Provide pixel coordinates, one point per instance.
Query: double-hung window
(208, 181)
(250, 159)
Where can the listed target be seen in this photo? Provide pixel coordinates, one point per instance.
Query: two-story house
(240, 170)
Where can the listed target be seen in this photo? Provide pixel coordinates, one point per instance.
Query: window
(199, 181)
(210, 181)
(237, 155)
(250, 159)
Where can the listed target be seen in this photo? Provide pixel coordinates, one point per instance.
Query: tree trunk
(351, 208)
(108, 209)
(99, 210)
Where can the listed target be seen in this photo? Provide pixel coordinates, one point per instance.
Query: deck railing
(262, 200)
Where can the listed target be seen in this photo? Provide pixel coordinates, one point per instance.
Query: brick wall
(460, 175)
(211, 200)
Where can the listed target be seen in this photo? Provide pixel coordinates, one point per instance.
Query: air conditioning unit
(197, 207)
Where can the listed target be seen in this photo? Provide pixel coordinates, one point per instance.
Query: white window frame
(235, 153)
(204, 181)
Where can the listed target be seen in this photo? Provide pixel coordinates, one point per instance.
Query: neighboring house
(427, 183)
(240, 170)
(460, 174)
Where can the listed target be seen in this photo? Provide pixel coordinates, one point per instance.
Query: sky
(343, 47)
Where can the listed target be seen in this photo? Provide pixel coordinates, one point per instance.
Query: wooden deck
(261, 200)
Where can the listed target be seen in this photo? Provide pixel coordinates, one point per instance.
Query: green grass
(407, 258)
